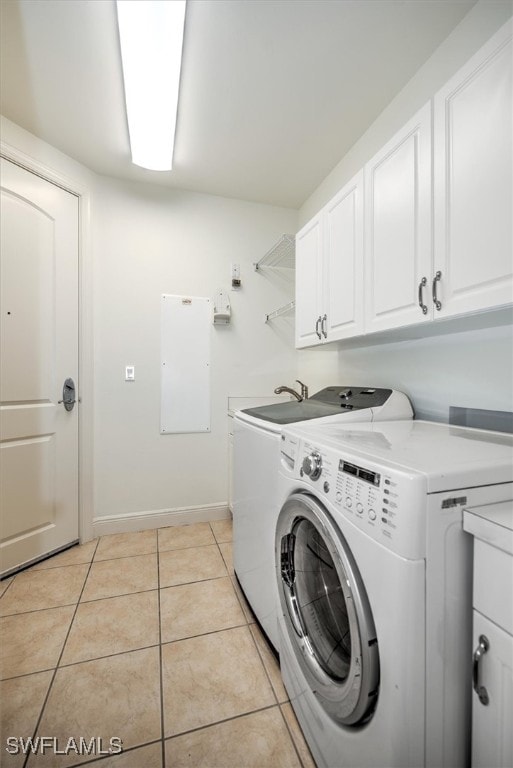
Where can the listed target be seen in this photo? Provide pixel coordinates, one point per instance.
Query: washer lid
(329, 401)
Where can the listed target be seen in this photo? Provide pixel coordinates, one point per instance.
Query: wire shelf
(282, 254)
(287, 309)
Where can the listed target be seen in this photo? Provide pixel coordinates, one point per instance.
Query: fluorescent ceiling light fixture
(151, 38)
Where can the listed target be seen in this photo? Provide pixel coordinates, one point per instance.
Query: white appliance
(374, 579)
(256, 459)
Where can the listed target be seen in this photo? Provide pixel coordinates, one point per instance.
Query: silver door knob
(68, 395)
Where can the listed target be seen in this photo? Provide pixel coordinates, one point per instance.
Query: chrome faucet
(299, 397)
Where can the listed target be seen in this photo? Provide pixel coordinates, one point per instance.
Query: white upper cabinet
(343, 263)
(309, 255)
(473, 137)
(329, 270)
(398, 253)
(458, 153)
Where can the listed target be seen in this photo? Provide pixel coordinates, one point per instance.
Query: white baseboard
(158, 518)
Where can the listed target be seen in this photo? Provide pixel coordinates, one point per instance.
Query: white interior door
(39, 351)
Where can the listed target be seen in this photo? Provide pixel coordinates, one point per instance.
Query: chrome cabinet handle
(436, 302)
(323, 326)
(317, 327)
(480, 651)
(423, 306)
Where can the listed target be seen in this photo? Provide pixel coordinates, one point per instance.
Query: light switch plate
(130, 373)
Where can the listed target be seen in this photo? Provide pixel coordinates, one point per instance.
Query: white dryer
(374, 579)
(256, 460)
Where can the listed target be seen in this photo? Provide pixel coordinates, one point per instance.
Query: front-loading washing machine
(373, 572)
(256, 459)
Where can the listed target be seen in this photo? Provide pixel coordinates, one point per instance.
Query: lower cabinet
(492, 731)
(492, 663)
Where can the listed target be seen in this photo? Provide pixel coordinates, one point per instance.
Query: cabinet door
(492, 734)
(309, 283)
(398, 228)
(473, 181)
(343, 263)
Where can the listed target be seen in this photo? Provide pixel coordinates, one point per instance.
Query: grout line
(26, 674)
(198, 581)
(163, 745)
(30, 571)
(8, 586)
(121, 594)
(33, 569)
(101, 759)
(260, 655)
(205, 634)
(187, 546)
(153, 552)
(115, 597)
(291, 735)
(220, 722)
(123, 557)
(37, 610)
(106, 656)
(38, 722)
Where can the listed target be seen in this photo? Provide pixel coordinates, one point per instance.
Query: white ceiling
(273, 92)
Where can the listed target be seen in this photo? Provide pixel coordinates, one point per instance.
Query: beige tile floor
(145, 637)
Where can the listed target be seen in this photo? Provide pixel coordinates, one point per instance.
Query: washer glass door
(326, 611)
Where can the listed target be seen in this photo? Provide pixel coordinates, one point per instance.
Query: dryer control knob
(312, 465)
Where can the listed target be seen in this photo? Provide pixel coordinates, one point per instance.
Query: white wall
(472, 368)
(145, 241)
(151, 241)
(469, 369)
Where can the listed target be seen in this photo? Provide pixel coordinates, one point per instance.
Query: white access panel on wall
(185, 364)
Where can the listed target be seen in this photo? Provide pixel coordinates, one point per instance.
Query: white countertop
(492, 523)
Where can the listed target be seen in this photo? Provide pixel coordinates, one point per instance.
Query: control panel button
(372, 514)
(338, 496)
(349, 502)
(326, 487)
(359, 508)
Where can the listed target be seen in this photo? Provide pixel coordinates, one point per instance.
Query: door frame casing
(85, 329)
